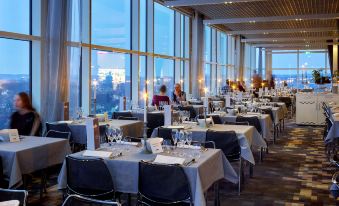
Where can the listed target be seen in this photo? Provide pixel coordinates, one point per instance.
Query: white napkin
(129, 143)
(162, 159)
(102, 154)
(10, 203)
(189, 147)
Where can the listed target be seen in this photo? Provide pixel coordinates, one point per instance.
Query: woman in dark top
(25, 119)
(162, 97)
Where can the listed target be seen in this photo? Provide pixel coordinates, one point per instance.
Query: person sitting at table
(178, 95)
(226, 88)
(25, 119)
(162, 97)
(241, 87)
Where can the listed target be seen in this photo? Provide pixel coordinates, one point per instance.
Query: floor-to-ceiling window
(163, 45)
(216, 68)
(295, 67)
(15, 53)
(127, 50)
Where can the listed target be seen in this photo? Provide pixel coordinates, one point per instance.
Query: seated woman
(26, 120)
(178, 95)
(162, 97)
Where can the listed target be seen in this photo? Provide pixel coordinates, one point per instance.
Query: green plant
(316, 76)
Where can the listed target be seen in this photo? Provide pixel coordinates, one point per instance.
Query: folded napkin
(189, 147)
(129, 143)
(162, 159)
(10, 203)
(189, 122)
(101, 154)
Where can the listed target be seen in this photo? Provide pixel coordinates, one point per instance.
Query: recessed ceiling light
(228, 2)
(252, 22)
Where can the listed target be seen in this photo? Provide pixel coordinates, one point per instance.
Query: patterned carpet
(295, 172)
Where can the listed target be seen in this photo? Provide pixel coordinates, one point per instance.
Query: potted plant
(316, 76)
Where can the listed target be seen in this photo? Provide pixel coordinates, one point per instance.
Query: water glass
(189, 138)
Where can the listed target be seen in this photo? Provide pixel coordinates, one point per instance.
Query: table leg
(216, 194)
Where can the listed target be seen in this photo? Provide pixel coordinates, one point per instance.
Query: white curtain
(55, 76)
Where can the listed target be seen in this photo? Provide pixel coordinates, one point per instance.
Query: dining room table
(208, 167)
(249, 137)
(31, 154)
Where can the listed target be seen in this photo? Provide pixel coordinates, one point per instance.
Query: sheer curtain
(55, 78)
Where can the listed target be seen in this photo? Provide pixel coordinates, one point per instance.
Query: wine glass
(166, 145)
(118, 135)
(189, 138)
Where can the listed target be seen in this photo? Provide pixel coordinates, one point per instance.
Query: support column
(260, 62)
(197, 54)
(335, 58)
(268, 63)
(237, 57)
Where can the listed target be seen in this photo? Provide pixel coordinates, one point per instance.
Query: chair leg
(129, 199)
(240, 177)
(251, 170)
(261, 154)
(216, 194)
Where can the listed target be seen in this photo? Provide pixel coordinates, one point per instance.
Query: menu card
(93, 134)
(155, 144)
(10, 135)
(228, 100)
(167, 115)
(162, 159)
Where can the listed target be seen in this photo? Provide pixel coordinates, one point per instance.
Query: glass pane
(182, 35)
(223, 53)
(163, 30)
(311, 60)
(14, 16)
(208, 48)
(14, 75)
(163, 75)
(75, 21)
(142, 79)
(111, 23)
(74, 78)
(284, 60)
(182, 74)
(187, 37)
(143, 33)
(208, 76)
(112, 74)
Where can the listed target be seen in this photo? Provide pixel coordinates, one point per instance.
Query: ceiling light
(252, 22)
(228, 2)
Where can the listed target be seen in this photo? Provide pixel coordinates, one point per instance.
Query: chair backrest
(163, 183)
(269, 112)
(88, 176)
(121, 114)
(127, 118)
(253, 121)
(154, 120)
(57, 134)
(227, 141)
(192, 111)
(60, 127)
(165, 133)
(2, 177)
(216, 119)
(77, 200)
(286, 100)
(20, 195)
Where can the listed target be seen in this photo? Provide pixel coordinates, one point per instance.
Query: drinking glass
(118, 135)
(166, 145)
(189, 137)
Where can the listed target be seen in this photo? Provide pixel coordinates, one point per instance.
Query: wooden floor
(295, 172)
